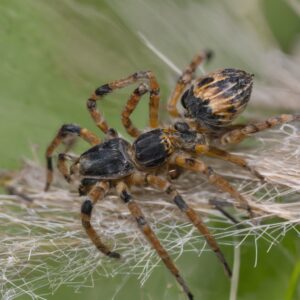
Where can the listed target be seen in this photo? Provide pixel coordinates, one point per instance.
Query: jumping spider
(210, 104)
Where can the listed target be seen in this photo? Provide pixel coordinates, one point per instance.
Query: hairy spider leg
(62, 164)
(137, 213)
(196, 165)
(174, 171)
(235, 136)
(66, 131)
(185, 79)
(130, 107)
(218, 206)
(96, 193)
(224, 155)
(164, 185)
(103, 90)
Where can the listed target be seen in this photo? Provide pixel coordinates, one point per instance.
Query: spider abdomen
(218, 98)
(152, 148)
(109, 160)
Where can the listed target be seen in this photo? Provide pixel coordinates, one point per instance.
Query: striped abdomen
(218, 98)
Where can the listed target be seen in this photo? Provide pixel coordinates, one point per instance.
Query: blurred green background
(55, 53)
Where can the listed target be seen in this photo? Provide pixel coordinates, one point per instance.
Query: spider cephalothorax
(108, 160)
(210, 104)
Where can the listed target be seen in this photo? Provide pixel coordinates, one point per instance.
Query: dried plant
(43, 244)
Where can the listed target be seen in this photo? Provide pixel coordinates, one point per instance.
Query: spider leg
(218, 205)
(96, 193)
(130, 107)
(224, 155)
(196, 165)
(160, 183)
(137, 213)
(235, 136)
(86, 185)
(118, 84)
(62, 164)
(174, 172)
(185, 79)
(67, 131)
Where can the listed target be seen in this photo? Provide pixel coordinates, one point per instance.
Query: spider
(115, 163)
(210, 104)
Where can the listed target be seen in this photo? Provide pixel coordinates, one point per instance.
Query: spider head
(218, 98)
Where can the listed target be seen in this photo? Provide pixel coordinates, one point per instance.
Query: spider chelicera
(210, 104)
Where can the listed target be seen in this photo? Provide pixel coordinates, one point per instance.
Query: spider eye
(183, 98)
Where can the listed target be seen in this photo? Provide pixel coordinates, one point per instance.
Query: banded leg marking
(130, 107)
(67, 131)
(118, 84)
(224, 155)
(150, 235)
(162, 184)
(97, 193)
(196, 165)
(62, 165)
(185, 79)
(237, 135)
